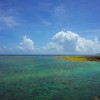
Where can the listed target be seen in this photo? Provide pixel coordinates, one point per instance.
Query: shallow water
(47, 78)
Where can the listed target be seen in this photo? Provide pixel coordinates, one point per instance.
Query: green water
(47, 78)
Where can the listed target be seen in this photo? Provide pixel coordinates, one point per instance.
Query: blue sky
(29, 26)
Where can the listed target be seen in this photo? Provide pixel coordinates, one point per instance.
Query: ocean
(47, 78)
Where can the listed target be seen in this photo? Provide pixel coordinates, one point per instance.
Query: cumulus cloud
(61, 43)
(72, 42)
(26, 44)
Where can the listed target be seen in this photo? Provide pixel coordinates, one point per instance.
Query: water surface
(47, 78)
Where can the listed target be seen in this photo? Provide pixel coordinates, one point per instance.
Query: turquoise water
(48, 78)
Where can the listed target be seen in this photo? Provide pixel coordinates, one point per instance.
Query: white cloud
(53, 47)
(61, 43)
(26, 44)
(63, 36)
(72, 42)
(8, 21)
(8, 17)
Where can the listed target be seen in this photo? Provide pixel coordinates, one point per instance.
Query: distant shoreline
(80, 58)
(47, 55)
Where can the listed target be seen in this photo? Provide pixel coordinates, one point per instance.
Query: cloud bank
(61, 43)
(73, 43)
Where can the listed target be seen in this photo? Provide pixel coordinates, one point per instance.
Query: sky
(49, 26)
